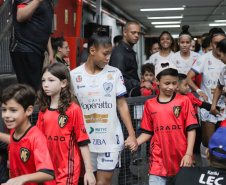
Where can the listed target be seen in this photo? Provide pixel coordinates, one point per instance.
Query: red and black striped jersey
(64, 133)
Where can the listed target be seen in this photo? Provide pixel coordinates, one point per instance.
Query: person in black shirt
(4, 171)
(124, 57)
(215, 173)
(32, 25)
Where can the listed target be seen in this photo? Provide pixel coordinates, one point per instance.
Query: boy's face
(167, 85)
(148, 76)
(183, 88)
(13, 114)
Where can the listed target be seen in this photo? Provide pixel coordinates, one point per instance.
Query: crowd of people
(78, 138)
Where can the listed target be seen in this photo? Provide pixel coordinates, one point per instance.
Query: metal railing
(5, 34)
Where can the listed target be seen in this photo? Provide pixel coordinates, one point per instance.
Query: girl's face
(165, 41)
(167, 85)
(215, 41)
(192, 48)
(155, 48)
(222, 56)
(51, 84)
(101, 55)
(185, 43)
(64, 50)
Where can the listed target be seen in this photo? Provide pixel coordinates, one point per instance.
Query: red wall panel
(68, 29)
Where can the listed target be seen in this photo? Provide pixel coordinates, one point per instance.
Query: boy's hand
(186, 161)
(131, 143)
(89, 178)
(203, 95)
(148, 85)
(16, 181)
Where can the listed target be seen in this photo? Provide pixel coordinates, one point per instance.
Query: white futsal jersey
(183, 65)
(97, 96)
(155, 58)
(210, 67)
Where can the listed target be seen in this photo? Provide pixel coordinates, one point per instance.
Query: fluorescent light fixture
(167, 17)
(223, 24)
(160, 9)
(167, 26)
(220, 21)
(175, 22)
(175, 36)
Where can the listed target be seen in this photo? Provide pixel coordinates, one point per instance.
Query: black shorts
(28, 68)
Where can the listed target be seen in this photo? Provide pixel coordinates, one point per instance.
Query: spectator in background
(85, 54)
(215, 173)
(116, 40)
(4, 171)
(192, 47)
(206, 46)
(204, 35)
(124, 57)
(60, 46)
(154, 48)
(32, 24)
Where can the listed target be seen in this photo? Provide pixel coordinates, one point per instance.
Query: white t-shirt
(222, 77)
(210, 67)
(183, 65)
(155, 58)
(97, 97)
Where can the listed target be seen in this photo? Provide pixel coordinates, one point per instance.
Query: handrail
(3, 6)
(6, 28)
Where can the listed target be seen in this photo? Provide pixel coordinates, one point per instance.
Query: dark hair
(23, 94)
(117, 38)
(222, 46)
(166, 32)
(99, 38)
(154, 41)
(129, 23)
(148, 67)
(168, 71)
(219, 160)
(185, 31)
(206, 42)
(181, 77)
(57, 42)
(215, 32)
(60, 71)
(205, 35)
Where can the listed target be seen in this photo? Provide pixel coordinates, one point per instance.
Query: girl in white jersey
(166, 45)
(100, 89)
(210, 66)
(184, 58)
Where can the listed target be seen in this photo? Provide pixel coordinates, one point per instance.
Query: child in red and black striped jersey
(148, 75)
(29, 158)
(61, 121)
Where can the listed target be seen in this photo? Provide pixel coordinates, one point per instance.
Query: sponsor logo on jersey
(168, 128)
(99, 142)
(113, 71)
(79, 78)
(110, 77)
(93, 93)
(212, 91)
(96, 118)
(122, 80)
(78, 72)
(93, 86)
(197, 63)
(24, 154)
(207, 115)
(83, 129)
(211, 179)
(55, 138)
(209, 63)
(80, 86)
(177, 62)
(98, 130)
(176, 111)
(193, 114)
(62, 120)
(106, 161)
(101, 105)
(210, 68)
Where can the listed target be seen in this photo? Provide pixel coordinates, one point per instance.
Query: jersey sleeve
(120, 85)
(81, 135)
(43, 162)
(23, 3)
(195, 101)
(198, 66)
(147, 123)
(190, 117)
(221, 77)
(40, 123)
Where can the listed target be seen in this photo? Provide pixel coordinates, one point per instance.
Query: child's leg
(157, 180)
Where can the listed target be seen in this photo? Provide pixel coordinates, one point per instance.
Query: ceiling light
(175, 36)
(167, 17)
(160, 9)
(220, 21)
(223, 24)
(167, 26)
(175, 22)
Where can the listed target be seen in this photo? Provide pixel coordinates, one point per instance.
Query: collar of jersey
(174, 95)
